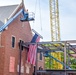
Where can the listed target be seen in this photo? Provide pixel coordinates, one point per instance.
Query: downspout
(0, 39)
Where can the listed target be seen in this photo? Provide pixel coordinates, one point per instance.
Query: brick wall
(21, 31)
(1, 60)
(40, 62)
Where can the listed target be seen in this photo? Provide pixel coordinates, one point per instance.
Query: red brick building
(10, 37)
(12, 30)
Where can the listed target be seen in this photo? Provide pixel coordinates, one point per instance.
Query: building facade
(9, 41)
(12, 31)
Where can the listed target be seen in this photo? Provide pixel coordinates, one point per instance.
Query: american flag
(31, 57)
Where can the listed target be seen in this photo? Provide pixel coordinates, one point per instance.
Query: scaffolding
(67, 47)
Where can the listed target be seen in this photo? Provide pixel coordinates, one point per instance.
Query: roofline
(8, 5)
(15, 10)
(10, 20)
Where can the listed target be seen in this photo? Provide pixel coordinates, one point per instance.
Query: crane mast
(54, 20)
(55, 31)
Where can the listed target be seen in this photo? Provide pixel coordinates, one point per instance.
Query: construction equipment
(55, 31)
(48, 55)
(54, 20)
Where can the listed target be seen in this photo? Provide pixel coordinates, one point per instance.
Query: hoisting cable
(35, 12)
(36, 2)
(35, 5)
(40, 15)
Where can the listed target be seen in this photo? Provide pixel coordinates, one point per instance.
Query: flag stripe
(31, 58)
(29, 53)
(34, 54)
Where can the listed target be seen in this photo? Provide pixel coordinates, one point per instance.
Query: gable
(5, 12)
(10, 20)
(13, 14)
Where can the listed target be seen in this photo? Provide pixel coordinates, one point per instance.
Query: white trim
(5, 23)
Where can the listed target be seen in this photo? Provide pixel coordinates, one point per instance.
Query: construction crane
(54, 20)
(55, 30)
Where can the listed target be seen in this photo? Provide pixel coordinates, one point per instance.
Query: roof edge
(15, 10)
(8, 5)
(10, 20)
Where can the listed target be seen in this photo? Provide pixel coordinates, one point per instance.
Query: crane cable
(40, 15)
(35, 6)
(39, 12)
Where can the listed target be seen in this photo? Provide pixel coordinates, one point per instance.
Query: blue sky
(67, 15)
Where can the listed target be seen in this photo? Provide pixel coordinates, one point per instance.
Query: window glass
(13, 42)
(40, 56)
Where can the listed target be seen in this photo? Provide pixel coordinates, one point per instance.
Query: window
(13, 42)
(21, 46)
(40, 56)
